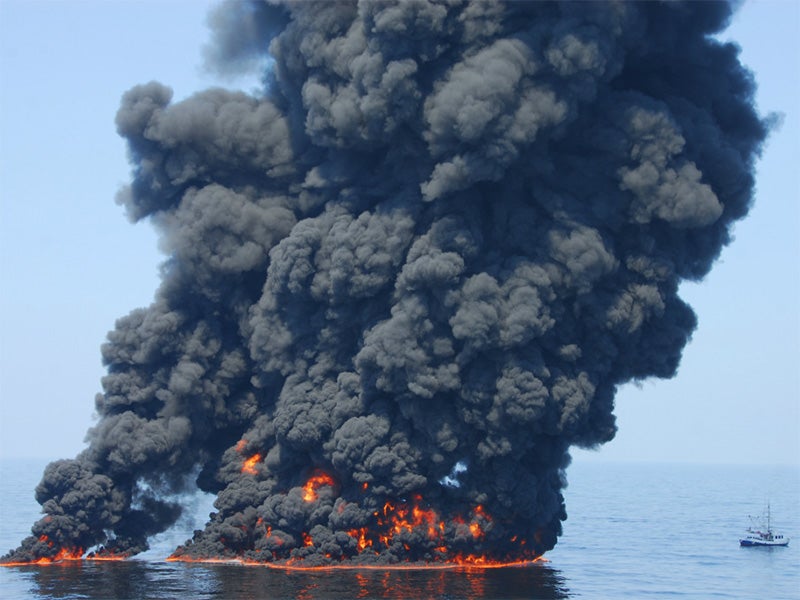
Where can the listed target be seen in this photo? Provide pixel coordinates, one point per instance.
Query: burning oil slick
(403, 281)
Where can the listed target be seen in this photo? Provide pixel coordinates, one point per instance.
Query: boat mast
(769, 528)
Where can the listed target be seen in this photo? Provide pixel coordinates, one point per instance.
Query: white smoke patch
(451, 479)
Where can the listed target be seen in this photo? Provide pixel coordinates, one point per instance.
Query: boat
(758, 536)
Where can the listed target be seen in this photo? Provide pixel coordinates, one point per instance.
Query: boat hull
(756, 543)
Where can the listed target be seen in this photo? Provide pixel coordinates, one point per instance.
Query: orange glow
(361, 536)
(316, 481)
(292, 565)
(249, 466)
(398, 525)
(65, 554)
(212, 561)
(68, 554)
(107, 557)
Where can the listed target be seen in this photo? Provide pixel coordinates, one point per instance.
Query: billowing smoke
(408, 276)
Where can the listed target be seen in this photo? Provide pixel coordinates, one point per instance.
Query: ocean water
(634, 531)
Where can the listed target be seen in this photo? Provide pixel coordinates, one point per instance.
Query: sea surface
(634, 531)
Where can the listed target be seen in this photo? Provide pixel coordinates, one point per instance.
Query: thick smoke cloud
(404, 280)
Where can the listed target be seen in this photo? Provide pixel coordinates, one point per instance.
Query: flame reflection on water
(156, 580)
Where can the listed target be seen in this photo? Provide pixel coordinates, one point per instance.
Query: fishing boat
(757, 535)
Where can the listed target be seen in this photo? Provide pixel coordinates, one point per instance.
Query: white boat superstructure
(761, 535)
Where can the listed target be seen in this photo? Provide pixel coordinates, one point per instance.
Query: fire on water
(64, 556)
(292, 565)
(389, 524)
(73, 556)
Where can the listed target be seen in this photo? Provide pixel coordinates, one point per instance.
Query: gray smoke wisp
(410, 274)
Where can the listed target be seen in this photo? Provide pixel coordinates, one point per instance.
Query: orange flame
(249, 466)
(316, 481)
(293, 564)
(395, 525)
(107, 557)
(361, 536)
(63, 554)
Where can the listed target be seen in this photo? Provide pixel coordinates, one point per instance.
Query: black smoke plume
(408, 276)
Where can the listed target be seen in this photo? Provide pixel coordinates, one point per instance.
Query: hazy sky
(71, 263)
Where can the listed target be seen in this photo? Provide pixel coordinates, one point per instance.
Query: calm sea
(634, 531)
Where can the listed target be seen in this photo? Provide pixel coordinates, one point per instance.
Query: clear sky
(71, 263)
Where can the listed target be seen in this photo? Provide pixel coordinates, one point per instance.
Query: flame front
(63, 554)
(407, 528)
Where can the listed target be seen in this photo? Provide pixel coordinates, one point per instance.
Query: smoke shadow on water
(158, 580)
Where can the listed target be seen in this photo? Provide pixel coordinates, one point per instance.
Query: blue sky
(71, 263)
